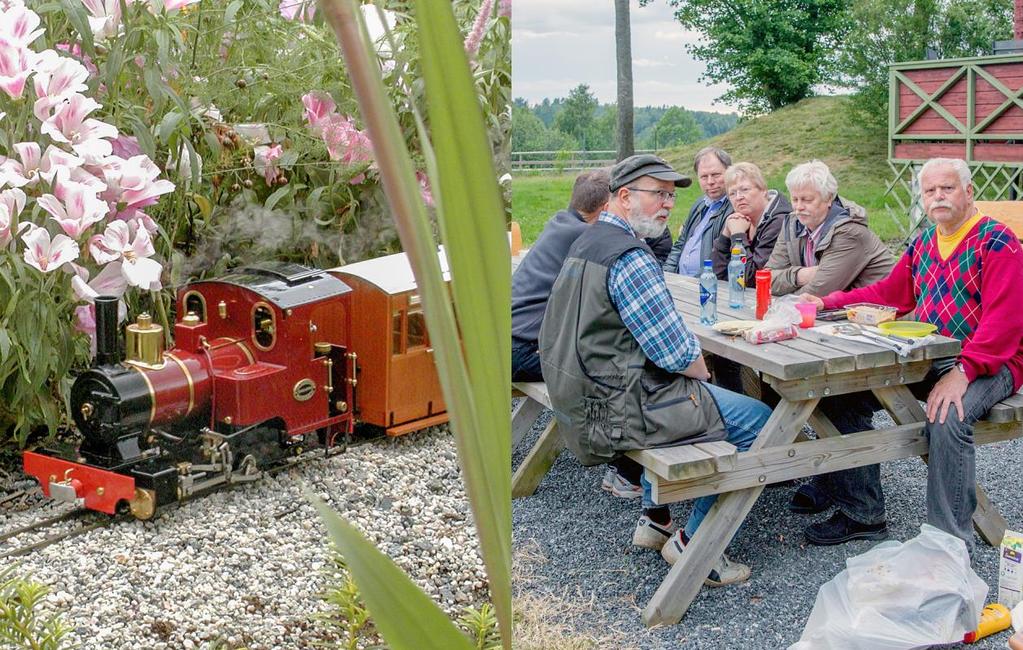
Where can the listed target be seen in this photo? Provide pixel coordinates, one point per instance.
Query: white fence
(563, 161)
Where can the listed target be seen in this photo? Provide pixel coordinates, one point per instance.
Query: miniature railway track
(91, 521)
(94, 520)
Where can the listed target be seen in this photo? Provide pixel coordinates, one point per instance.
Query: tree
(890, 31)
(623, 53)
(773, 53)
(530, 134)
(677, 126)
(577, 114)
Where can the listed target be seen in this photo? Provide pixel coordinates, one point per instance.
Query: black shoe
(840, 529)
(809, 500)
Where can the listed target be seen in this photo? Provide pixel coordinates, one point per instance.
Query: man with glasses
(695, 242)
(622, 369)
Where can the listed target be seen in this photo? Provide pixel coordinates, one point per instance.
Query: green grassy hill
(819, 127)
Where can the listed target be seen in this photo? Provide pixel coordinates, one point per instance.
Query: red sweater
(975, 295)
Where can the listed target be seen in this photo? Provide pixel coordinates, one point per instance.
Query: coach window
(416, 329)
(397, 339)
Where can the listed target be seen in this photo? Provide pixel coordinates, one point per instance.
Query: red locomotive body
(264, 365)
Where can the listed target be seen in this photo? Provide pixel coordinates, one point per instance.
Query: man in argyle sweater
(965, 275)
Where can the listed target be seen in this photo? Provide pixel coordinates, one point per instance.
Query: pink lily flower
(14, 200)
(76, 211)
(33, 166)
(109, 282)
(345, 142)
(45, 254)
(132, 184)
(19, 25)
(54, 85)
(5, 226)
(302, 10)
(264, 160)
(15, 67)
(75, 50)
(173, 5)
(88, 137)
(125, 146)
(104, 18)
(318, 107)
(116, 244)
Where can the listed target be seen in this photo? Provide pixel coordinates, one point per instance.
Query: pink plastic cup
(808, 311)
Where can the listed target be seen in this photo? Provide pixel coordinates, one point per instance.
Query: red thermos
(763, 278)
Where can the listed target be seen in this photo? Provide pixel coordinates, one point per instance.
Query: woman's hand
(735, 224)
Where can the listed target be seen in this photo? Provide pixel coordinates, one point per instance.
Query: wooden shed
(969, 108)
(398, 387)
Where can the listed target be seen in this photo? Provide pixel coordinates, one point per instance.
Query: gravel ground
(245, 567)
(573, 547)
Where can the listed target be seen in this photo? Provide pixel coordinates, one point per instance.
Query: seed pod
(241, 83)
(236, 187)
(217, 180)
(247, 183)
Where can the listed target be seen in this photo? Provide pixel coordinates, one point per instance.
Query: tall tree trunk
(623, 47)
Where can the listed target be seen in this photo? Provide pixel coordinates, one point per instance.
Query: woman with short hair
(756, 222)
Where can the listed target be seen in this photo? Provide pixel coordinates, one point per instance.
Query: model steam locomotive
(268, 361)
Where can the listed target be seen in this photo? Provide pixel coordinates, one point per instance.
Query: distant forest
(580, 123)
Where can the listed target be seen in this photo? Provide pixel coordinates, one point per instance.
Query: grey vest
(608, 398)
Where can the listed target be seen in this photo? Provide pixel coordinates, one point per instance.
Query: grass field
(820, 127)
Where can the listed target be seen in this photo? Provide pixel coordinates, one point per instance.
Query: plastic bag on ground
(898, 596)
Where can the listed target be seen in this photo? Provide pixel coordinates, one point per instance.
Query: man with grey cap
(622, 369)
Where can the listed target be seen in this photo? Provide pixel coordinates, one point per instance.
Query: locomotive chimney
(106, 331)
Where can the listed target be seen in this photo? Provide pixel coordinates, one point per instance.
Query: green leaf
(475, 386)
(274, 198)
(412, 620)
(231, 12)
(75, 12)
(168, 124)
(142, 133)
(205, 206)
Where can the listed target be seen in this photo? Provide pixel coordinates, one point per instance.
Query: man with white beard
(622, 369)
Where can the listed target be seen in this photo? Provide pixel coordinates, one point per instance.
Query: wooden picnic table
(802, 371)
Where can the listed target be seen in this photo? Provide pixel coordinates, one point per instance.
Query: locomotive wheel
(143, 504)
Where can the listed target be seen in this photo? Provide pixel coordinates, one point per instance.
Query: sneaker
(618, 486)
(650, 534)
(725, 571)
(840, 529)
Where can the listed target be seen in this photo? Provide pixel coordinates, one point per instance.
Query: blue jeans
(525, 358)
(744, 417)
(951, 471)
(857, 491)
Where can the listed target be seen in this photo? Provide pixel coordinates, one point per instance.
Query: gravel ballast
(572, 543)
(245, 567)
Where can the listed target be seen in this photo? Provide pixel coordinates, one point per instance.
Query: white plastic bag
(898, 596)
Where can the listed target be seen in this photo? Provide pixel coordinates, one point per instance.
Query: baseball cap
(645, 164)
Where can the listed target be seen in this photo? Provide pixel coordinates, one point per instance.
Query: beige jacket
(849, 254)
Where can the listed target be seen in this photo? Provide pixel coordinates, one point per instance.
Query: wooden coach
(398, 387)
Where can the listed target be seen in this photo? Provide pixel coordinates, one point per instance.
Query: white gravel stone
(245, 567)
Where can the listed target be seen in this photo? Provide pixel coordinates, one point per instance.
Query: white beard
(646, 226)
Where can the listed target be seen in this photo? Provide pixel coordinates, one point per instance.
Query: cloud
(532, 35)
(651, 63)
(677, 35)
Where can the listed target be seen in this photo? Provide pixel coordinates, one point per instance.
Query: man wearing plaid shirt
(622, 369)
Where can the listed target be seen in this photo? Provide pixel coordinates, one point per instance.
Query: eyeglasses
(661, 194)
(736, 192)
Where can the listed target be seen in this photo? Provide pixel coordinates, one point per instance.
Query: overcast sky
(559, 44)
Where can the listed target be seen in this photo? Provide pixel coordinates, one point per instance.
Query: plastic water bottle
(708, 294)
(736, 277)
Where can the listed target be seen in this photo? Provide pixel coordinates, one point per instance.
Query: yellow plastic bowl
(909, 328)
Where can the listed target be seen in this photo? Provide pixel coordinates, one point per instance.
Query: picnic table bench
(801, 371)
